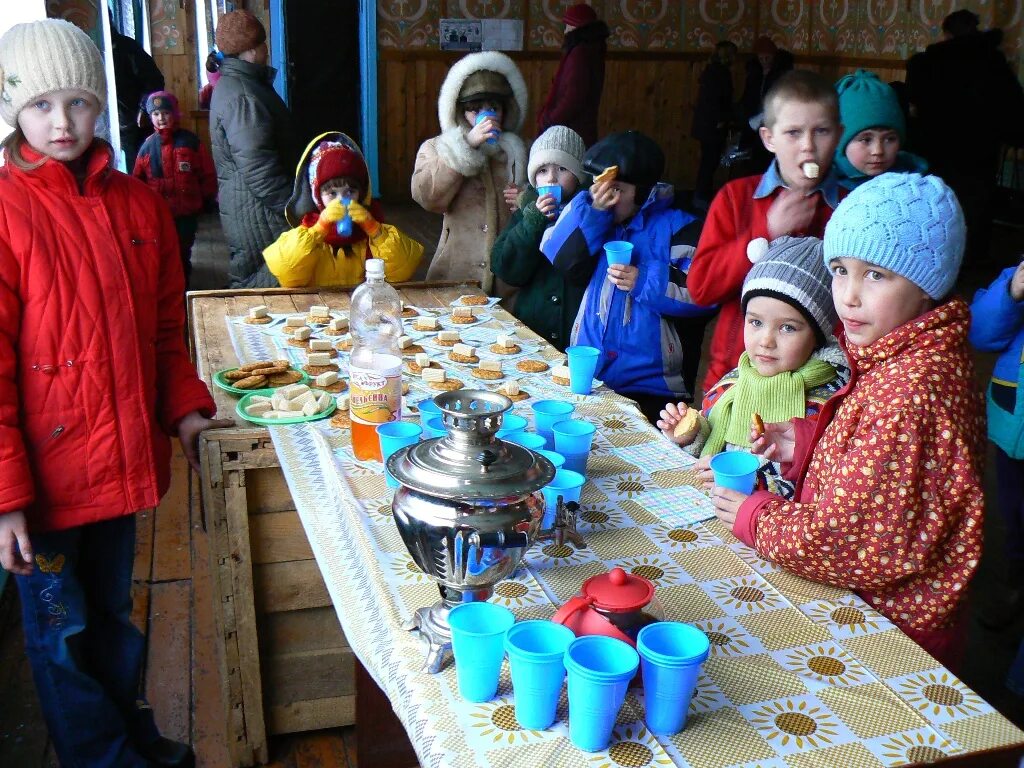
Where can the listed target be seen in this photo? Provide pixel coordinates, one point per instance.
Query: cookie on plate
(259, 320)
(332, 351)
(473, 301)
(416, 368)
(284, 378)
(447, 385)
(532, 366)
(560, 375)
(412, 350)
(316, 370)
(408, 312)
(463, 319)
(264, 364)
(499, 349)
(341, 419)
(484, 373)
(250, 382)
(345, 345)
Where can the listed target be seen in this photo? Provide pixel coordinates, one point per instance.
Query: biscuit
(445, 342)
(284, 378)
(410, 312)
(757, 423)
(332, 353)
(532, 366)
(520, 395)
(483, 373)
(328, 331)
(500, 350)
(345, 345)
(473, 301)
(318, 319)
(259, 320)
(339, 386)
(608, 174)
(561, 380)
(446, 386)
(687, 423)
(251, 382)
(412, 350)
(405, 387)
(271, 371)
(301, 343)
(423, 324)
(316, 370)
(457, 358)
(341, 419)
(463, 320)
(415, 368)
(264, 364)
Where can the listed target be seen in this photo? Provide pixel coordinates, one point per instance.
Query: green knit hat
(866, 102)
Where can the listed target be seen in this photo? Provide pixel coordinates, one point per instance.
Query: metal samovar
(468, 507)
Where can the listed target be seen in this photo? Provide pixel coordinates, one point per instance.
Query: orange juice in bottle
(375, 369)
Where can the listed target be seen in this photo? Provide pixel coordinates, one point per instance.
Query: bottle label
(375, 397)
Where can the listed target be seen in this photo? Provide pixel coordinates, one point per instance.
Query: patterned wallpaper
(863, 28)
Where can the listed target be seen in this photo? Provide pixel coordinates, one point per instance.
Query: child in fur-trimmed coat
(473, 171)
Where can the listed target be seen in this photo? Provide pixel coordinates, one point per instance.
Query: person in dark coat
(136, 76)
(575, 94)
(254, 149)
(711, 117)
(767, 65)
(966, 101)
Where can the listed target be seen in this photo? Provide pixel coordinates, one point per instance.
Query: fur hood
(447, 109)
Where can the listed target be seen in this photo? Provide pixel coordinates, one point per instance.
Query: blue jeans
(86, 654)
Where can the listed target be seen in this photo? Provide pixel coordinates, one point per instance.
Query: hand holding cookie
(679, 423)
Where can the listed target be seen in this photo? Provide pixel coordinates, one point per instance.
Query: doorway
(323, 66)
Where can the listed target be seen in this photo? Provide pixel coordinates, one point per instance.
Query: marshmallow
(320, 345)
(561, 372)
(490, 365)
(422, 359)
(462, 312)
(433, 374)
(810, 170)
(258, 409)
(319, 310)
(304, 399)
(301, 334)
(310, 408)
(448, 336)
(326, 379)
(339, 324)
(294, 322)
(318, 358)
(505, 341)
(404, 342)
(257, 312)
(323, 402)
(510, 388)
(343, 402)
(463, 349)
(292, 391)
(426, 323)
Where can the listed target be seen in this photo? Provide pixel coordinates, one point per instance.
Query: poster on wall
(461, 35)
(167, 26)
(502, 34)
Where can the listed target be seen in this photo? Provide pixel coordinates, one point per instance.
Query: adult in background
(136, 76)
(576, 89)
(254, 149)
(966, 102)
(767, 65)
(711, 117)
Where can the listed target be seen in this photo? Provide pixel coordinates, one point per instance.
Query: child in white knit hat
(94, 378)
(547, 300)
(790, 366)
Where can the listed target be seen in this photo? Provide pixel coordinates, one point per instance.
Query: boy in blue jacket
(629, 311)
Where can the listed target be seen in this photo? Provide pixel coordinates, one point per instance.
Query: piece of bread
(686, 424)
(608, 174)
(757, 423)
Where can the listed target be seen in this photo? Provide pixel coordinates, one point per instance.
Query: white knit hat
(561, 146)
(43, 56)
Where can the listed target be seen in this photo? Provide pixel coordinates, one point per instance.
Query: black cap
(640, 159)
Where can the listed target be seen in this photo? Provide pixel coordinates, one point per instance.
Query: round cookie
(412, 349)
(410, 312)
(259, 320)
(445, 343)
(318, 319)
(463, 358)
(316, 370)
(416, 369)
(560, 381)
(520, 395)
(337, 387)
(284, 378)
(482, 373)
(463, 320)
(416, 326)
(250, 382)
(341, 419)
(447, 385)
(497, 349)
(328, 331)
(301, 343)
(345, 345)
(532, 366)
(333, 352)
(473, 301)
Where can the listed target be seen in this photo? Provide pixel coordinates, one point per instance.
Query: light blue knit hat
(904, 222)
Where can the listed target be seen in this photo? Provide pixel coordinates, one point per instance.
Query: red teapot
(615, 604)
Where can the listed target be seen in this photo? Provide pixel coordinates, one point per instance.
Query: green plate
(244, 402)
(220, 381)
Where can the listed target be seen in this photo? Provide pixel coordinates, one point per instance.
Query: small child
(94, 379)
(627, 310)
(174, 163)
(795, 196)
(213, 61)
(464, 172)
(874, 129)
(313, 254)
(548, 300)
(791, 364)
(997, 325)
(889, 500)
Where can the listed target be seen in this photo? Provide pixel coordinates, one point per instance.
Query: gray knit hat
(43, 56)
(561, 146)
(793, 270)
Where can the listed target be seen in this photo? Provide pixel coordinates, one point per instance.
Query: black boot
(165, 753)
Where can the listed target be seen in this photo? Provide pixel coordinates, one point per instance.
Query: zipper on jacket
(139, 241)
(57, 432)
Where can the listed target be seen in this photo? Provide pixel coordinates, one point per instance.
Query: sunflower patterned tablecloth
(800, 674)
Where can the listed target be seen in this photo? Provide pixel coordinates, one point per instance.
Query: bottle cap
(375, 268)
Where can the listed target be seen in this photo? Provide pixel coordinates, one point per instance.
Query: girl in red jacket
(888, 499)
(94, 378)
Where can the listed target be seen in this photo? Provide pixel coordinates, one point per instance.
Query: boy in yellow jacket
(314, 254)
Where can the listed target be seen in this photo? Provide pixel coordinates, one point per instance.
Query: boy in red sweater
(795, 196)
(889, 498)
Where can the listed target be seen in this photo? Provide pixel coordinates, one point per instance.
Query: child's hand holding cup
(550, 199)
(487, 128)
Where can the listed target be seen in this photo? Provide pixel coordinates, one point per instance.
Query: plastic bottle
(344, 225)
(375, 369)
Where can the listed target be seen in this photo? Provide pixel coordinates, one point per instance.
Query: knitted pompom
(757, 249)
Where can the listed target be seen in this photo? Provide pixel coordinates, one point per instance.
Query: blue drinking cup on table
(434, 427)
(582, 363)
(598, 670)
(554, 457)
(573, 439)
(428, 409)
(671, 655)
(511, 425)
(568, 485)
(618, 252)
(395, 435)
(547, 413)
(736, 470)
(536, 659)
(478, 635)
(482, 115)
(530, 440)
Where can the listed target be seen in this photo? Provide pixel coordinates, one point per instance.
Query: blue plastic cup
(554, 457)
(736, 470)
(530, 440)
(568, 485)
(511, 425)
(482, 115)
(434, 427)
(618, 252)
(478, 634)
(547, 413)
(395, 435)
(536, 659)
(671, 655)
(573, 439)
(428, 409)
(599, 670)
(555, 191)
(582, 366)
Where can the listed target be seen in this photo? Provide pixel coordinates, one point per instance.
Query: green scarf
(775, 398)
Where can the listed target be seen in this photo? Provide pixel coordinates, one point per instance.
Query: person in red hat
(575, 93)
(332, 188)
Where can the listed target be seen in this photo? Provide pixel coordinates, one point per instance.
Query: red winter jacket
(575, 95)
(721, 264)
(890, 499)
(179, 168)
(94, 373)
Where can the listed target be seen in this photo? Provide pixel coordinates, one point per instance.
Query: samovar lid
(470, 462)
